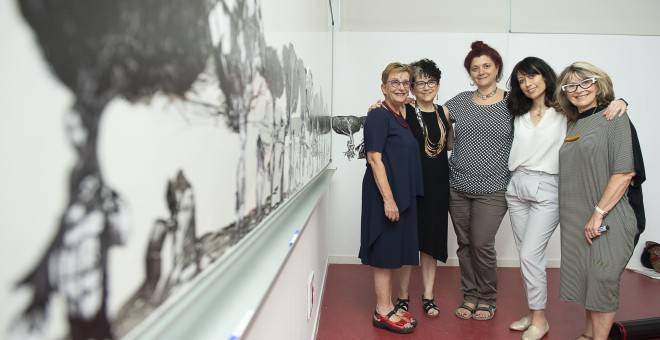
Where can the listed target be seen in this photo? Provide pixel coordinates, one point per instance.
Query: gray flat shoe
(535, 333)
(521, 325)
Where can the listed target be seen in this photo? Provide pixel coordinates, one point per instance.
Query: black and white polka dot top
(484, 133)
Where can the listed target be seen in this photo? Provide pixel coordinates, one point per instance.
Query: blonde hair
(583, 70)
(395, 67)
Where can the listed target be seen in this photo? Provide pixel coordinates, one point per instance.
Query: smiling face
(424, 93)
(483, 71)
(582, 98)
(532, 85)
(396, 95)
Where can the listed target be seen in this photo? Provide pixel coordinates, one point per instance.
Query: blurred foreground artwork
(186, 128)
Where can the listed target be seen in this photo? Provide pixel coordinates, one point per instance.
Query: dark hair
(518, 103)
(479, 48)
(425, 67)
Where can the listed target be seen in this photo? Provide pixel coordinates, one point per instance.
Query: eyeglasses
(395, 83)
(585, 84)
(430, 83)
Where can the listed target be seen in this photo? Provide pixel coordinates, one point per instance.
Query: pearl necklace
(486, 96)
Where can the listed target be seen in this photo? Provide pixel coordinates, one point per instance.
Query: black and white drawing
(210, 56)
(349, 126)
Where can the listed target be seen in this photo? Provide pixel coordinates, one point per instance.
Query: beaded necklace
(485, 96)
(397, 116)
(431, 149)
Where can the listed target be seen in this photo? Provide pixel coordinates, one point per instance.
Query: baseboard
(319, 298)
(452, 261)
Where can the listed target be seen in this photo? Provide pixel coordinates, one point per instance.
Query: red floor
(348, 303)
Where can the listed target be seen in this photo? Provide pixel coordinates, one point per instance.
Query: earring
(471, 84)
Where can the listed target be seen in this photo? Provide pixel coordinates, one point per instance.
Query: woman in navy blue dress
(391, 184)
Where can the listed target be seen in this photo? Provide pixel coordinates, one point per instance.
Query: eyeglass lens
(396, 83)
(585, 84)
(430, 83)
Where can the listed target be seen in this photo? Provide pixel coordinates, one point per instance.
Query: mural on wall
(182, 49)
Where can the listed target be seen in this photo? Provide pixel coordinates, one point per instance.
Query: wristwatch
(601, 211)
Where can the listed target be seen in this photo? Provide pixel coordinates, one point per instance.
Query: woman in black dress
(430, 125)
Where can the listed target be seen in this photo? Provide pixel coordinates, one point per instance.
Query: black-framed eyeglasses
(430, 83)
(585, 84)
(396, 83)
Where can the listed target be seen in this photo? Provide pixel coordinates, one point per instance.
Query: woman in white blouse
(532, 194)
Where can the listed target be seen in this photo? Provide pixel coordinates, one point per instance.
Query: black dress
(387, 244)
(432, 209)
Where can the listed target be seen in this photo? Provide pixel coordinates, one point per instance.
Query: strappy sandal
(384, 322)
(467, 308)
(429, 304)
(490, 309)
(402, 304)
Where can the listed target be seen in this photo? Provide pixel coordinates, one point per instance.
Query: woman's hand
(591, 229)
(391, 210)
(615, 189)
(375, 106)
(376, 163)
(380, 103)
(616, 109)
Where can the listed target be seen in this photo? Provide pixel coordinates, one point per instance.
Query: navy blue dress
(387, 244)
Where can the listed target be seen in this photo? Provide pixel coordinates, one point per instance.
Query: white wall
(283, 312)
(361, 56)
(529, 16)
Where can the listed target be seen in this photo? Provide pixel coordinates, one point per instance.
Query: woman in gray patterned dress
(595, 171)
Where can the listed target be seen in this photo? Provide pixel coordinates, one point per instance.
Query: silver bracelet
(601, 211)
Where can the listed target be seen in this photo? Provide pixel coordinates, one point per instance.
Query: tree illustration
(238, 60)
(272, 73)
(292, 88)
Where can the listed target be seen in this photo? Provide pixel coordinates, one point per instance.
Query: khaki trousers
(476, 219)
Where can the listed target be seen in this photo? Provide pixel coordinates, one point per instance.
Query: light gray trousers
(533, 199)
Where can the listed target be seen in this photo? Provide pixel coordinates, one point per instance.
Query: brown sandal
(467, 308)
(489, 308)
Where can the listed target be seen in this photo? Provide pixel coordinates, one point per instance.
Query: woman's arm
(616, 188)
(447, 113)
(451, 136)
(375, 162)
(378, 104)
(616, 109)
